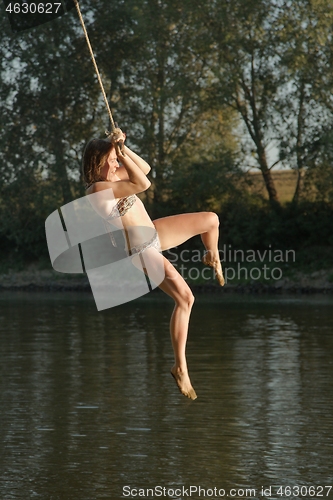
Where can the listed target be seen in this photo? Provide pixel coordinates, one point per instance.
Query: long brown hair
(94, 158)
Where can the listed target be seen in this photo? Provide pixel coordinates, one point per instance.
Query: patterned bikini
(119, 210)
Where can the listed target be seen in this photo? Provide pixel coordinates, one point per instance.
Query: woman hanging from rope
(101, 171)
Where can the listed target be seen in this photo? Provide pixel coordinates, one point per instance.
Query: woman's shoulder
(103, 186)
(98, 186)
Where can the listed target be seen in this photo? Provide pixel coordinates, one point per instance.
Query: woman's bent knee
(186, 298)
(216, 219)
(213, 219)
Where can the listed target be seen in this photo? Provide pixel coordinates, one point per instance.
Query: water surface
(88, 405)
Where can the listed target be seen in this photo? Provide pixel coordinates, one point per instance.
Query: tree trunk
(299, 152)
(299, 184)
(253, 126)
(267, 175)
(158, 184)
(61, 171)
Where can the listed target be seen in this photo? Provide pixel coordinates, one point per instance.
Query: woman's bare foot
(214, 261)
(183, 382)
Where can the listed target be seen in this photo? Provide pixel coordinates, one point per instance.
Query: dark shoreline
(34, 279)
(257, 288)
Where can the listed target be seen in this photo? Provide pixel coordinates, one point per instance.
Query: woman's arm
(134, 172)
(142, 164)
(134, 181)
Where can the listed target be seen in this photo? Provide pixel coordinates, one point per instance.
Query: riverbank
(35, 279)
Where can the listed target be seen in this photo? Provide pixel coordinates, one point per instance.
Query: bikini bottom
(152, 243)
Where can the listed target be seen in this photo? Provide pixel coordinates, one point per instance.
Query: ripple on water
(88, 404)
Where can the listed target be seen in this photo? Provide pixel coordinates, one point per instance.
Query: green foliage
(200, 186)
(254, 224)
(203, 90)
(270, 61)
(23, 213)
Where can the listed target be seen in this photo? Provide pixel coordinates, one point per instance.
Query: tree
(244, 72)
(304, 109)
(270, 62)
(50, 106)
(159, 95)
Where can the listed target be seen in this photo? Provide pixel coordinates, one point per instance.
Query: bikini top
(122, 207)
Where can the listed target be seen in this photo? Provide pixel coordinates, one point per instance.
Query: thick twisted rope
(113, 126)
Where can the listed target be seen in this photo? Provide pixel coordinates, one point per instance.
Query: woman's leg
(157, 267)
(175, 286)
(177, 229)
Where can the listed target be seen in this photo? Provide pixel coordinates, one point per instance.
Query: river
(89, 409)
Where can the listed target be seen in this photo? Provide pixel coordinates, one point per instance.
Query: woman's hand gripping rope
(117, 137)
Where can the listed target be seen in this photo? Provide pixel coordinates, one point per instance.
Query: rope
(113, 126)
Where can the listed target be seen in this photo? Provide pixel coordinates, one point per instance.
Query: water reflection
(88, 405)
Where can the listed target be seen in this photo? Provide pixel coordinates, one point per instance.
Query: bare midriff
(137, 216)
(138, 226)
